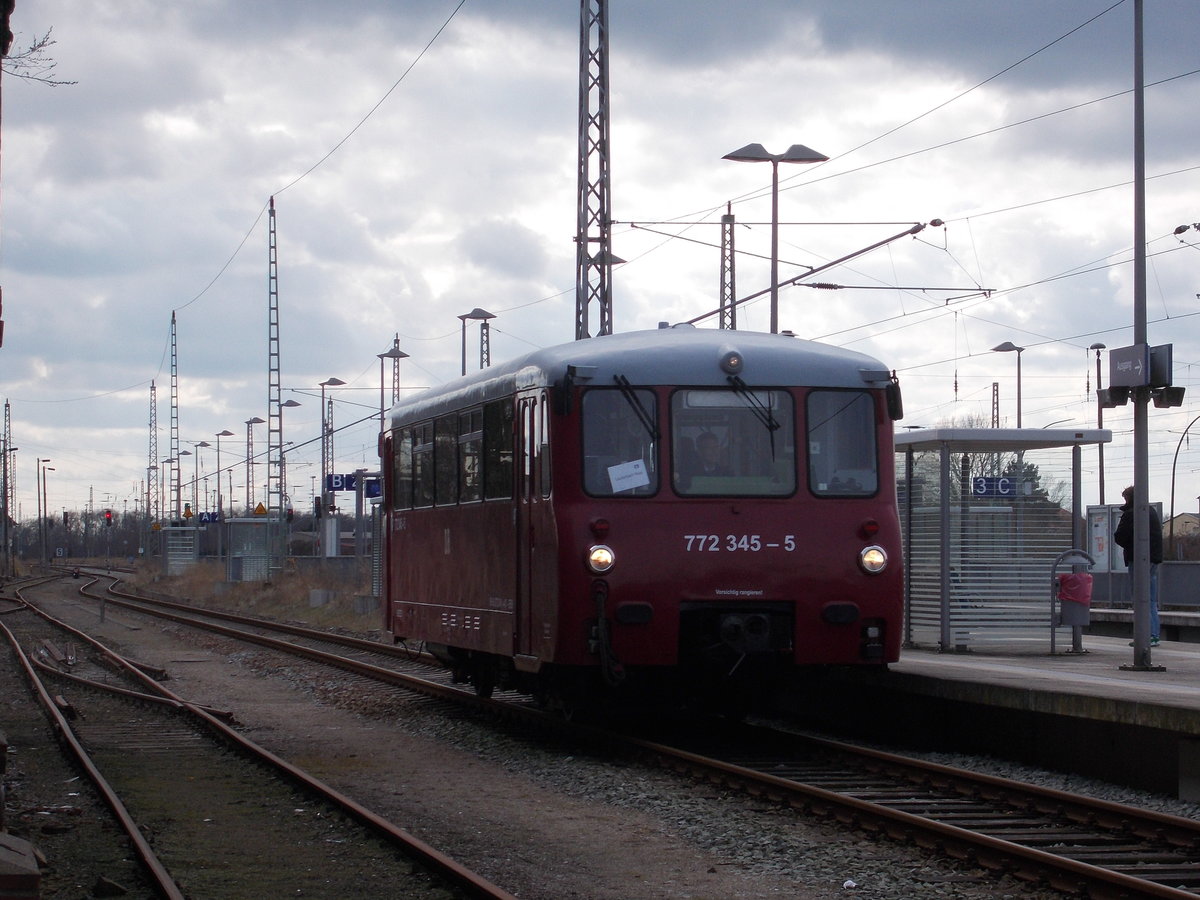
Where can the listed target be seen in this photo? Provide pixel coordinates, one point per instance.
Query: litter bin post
(1073, 590)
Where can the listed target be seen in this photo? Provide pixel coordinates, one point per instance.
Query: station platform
(1105, 682)
(1100, 713)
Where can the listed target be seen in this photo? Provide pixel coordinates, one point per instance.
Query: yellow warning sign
(260, 510)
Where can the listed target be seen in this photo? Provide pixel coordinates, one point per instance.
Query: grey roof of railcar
(681, 355)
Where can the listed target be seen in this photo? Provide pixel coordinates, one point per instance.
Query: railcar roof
(681, 355)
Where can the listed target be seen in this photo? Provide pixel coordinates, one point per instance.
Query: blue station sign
(349, 482)
(993, 486)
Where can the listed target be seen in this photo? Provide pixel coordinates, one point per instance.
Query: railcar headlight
(873, 559)
(600, 558)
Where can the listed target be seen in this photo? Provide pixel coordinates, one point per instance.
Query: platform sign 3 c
(993, 486)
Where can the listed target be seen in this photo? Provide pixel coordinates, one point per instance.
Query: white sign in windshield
(628, 475)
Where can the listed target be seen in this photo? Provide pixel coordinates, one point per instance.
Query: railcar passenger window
(446, 460)
(422, 464)
(402, 473)
(737, 442)
(470, 443)
(620, 452)
(498, 450)
(842, 449)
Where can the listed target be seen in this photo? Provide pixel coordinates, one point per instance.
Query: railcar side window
(737, 442)
(620, 452)
(842, 449)
(498, 450)
(446, 459)
(402, 473)
(470, 444)
(422, 464)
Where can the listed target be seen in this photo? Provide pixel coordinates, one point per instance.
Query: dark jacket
(1124, 534)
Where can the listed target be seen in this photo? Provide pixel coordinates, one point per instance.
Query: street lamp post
(39, 476)
(250, 423)
(1171, 528)
(179, 501)
(1010, 347)
(283, 492)
(45, 508)
(220, 504)
(170, 465)
(395, 354)
(481, 316)
(1099, 416)
(327, 439)
(797, 153)
(196, 477)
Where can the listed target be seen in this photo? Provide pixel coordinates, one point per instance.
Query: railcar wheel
(483, 677)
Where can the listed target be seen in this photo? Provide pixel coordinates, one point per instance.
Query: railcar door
(525, 452)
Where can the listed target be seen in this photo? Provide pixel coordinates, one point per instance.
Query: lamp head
(797, 153)
(749, 153)
(477, 314)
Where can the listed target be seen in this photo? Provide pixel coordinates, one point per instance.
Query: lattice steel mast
(9, 491)
(152, 493)
(173, 462)
(728, 273)
(593, 240)
(276, 487)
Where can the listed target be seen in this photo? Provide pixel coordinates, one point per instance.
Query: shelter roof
(1002, 440)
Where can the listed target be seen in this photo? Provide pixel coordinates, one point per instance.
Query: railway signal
(108, 518)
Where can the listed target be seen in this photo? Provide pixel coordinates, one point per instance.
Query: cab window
(842, 456)
(620, 444)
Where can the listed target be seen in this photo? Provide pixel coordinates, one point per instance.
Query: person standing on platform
(1124, 539)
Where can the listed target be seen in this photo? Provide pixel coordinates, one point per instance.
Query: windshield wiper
(636, 405)
(761, 411)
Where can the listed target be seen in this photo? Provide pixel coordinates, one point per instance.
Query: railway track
(1075, 844)
(1071, 843)
(209, 813)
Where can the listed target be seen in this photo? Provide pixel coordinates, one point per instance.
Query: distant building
(1184, 525)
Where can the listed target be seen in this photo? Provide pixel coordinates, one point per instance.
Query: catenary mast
(276, 488)
(593, 239)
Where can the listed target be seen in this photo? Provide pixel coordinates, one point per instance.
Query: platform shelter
(987, 514)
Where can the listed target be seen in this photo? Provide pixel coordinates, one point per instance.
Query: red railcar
(681, 511)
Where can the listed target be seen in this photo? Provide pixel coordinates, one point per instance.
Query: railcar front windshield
(729, 442)
(736, 442)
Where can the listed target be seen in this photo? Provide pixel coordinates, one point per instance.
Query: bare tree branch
(34, 63)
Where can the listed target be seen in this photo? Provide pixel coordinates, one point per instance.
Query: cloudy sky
(422, 157)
